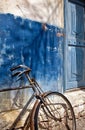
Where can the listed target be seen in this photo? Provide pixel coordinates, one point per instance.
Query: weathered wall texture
(48, 11)
(23, 41)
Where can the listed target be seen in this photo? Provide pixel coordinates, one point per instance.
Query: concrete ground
(77, 99)
(80, 123)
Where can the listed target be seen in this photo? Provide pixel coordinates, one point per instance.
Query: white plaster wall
(49, 11)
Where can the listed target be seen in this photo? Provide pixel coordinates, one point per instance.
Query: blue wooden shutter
(75, 46)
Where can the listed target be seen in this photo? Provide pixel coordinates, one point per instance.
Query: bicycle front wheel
(53, 113)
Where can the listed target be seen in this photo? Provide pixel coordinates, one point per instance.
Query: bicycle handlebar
(19, 73)
(24, 72)
(19, 66)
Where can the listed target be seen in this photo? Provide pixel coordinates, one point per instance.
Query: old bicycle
(51, 111)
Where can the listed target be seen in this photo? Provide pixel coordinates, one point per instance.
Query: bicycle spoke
(55, 113)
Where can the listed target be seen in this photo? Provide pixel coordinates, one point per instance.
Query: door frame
(66, 9)
(79, 2)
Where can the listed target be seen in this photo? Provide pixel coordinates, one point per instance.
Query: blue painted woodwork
(79, 2)
(75, 45)
(23, 41)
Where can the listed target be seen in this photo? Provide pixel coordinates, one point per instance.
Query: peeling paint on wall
(24, 41)
(46, 11)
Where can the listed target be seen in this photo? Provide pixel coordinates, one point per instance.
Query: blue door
(74, 45)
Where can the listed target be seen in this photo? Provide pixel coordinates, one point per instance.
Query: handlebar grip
(19, 66)
(14, 68)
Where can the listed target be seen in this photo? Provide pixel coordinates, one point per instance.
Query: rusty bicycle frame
(38, 93)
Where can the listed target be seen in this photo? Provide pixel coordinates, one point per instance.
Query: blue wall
(23, 41)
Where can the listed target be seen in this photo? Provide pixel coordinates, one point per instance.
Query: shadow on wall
(23, 41)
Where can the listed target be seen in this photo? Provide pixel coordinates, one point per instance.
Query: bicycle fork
(47, 108)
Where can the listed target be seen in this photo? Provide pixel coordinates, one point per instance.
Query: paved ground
(77, 99)
(80, 123)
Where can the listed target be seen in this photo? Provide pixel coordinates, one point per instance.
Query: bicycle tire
(60, 108)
